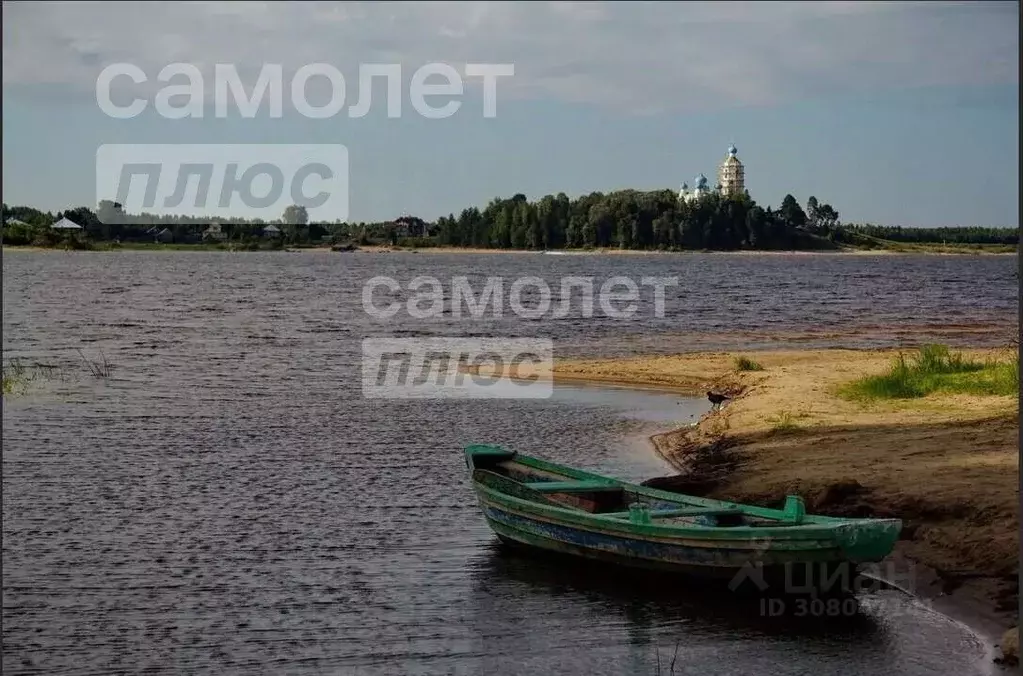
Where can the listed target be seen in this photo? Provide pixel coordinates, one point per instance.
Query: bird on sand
(716, 400)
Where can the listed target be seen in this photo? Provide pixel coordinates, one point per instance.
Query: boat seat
(684, 511)
(573, 486)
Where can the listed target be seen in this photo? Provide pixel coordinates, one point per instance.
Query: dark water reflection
(225, 501)
(597, 608)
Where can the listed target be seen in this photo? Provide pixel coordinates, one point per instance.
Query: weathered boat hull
(818, 552)
(825, 567)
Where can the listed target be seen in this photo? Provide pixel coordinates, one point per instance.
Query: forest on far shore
(625, 219)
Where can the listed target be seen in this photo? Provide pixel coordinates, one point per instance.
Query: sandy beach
(946, 464)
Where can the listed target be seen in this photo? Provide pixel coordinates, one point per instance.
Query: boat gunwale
(737, 537)
(812, 526)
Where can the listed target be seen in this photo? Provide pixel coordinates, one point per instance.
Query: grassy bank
(934, 368)
(863, 242)
(944, 459)
(942, 248)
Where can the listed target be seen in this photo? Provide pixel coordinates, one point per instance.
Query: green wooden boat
(540, 504)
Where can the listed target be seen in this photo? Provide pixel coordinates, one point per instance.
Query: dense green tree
(628, 219)
(296, 215)
(827, 219)
(599, 224)
(111, 213)
(812, 206)
(791, 213)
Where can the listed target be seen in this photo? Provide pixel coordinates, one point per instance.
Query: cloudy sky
(897, 113)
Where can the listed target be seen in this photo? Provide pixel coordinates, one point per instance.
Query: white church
(731, 180)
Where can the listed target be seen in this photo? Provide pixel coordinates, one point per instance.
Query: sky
(895, 113)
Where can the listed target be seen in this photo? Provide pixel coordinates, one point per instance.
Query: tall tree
(812, 216)
(791, 213)
(597, 232)
(827, 218)
(110, 212)
(295, 215)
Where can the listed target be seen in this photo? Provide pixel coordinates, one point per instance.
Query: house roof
(16, 221)
(66, 224)
(271, 228)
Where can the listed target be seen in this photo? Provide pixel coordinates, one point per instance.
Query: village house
(66, 224)
(215, 233)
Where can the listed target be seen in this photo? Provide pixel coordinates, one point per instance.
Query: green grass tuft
(936, 369)
(783, 422)
(19, 377)
(98, 368)
(747, 364)
(15, 377)
(786, 421)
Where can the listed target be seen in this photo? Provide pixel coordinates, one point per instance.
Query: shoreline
(377, 249)
(945, 460)
(966, 606)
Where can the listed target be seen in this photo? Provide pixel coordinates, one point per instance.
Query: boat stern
(869, 540)
(487, 453)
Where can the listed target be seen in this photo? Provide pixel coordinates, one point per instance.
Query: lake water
(225, 501)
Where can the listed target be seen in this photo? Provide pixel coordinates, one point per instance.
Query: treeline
(626, 219)
(110, 223)
(962, 235)
(631, 219)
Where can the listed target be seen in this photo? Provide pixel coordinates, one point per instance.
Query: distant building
(700, 190)
(731, 181)
(15, 221)
(166, 236)
(66, 224)
(732, 175)
(215, 232)
(271, 231)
